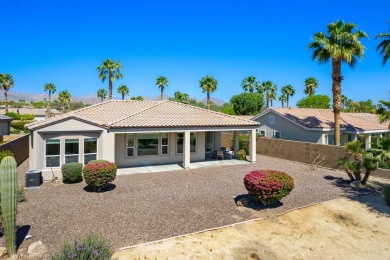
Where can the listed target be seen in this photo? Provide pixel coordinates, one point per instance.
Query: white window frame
(158, 145)
(262, 130)
(46, 156)
(97, 148)
(163, 145)
(274, 134)
(326, 139)
(196, 143)
(65, 155)
(271, 120)
(134, 145)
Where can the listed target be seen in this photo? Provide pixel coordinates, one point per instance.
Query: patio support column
(236, 142)
(252, 145)
(186, 150)
(368, 141)
(108, 153)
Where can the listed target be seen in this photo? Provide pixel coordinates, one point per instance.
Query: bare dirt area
(343, 228)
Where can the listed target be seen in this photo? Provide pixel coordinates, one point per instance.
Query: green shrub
(386, 192)
(241, 154)
(20, 194)
(268, 186)
(244, 143)
(20, 125)
(99, 175)
(27, 117)
(97, 161)
(15, 131)
(15, 116)
(72, 172)
(5, 153)
(90, 247)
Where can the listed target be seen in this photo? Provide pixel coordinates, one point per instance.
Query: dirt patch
(353, 229)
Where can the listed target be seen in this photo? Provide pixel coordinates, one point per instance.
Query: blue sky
(64, 41)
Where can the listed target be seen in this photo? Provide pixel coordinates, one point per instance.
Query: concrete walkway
(175, 167)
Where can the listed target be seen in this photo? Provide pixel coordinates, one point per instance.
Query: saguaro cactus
(8, 190)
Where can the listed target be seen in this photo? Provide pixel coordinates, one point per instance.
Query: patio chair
(220, 155)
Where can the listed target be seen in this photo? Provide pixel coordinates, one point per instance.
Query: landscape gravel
(146, 207)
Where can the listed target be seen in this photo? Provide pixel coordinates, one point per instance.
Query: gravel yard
(147, 207)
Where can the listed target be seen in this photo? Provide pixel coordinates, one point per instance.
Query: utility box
(33, 179)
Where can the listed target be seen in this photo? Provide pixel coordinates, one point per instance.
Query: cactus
(8, 190)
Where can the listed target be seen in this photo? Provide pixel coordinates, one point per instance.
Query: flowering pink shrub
(268, 186)
(99, 175)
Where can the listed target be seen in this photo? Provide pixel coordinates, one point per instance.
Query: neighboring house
(132, 133)
(5, 124)
(39, 113)
(316, 125)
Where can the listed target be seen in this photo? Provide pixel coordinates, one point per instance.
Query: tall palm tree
(343, 100)
(384, 46)
(52, 89)
(268, 87)
(272, 94)
(6, 82)
(208, 85)
(289, 91)
(123, 90)
(384, 114)
(311, 84)
(64, 98)
(162, 82)
(111, 69)
(341, 44)
(250, 83)
(102, 94)
(283, 99)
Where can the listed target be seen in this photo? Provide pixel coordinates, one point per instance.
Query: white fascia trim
(368, 132)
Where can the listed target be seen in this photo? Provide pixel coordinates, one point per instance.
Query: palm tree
(311, 84)
(289, 91)
(162, 82)
(111, 69)
(6, 82)
(384, 46)
(268, 87)
(343, 100)
(272, 94)
(102, 94)
(250, 83)
(123, 90)
(64, 98)
(283, 99)
(51, 88)
(342, 44)
(384, 114)
(208, 84)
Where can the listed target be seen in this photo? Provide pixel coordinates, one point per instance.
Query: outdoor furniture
(220, 155)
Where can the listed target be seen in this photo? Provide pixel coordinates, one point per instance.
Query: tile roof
(367, 116)
(324, 118)
(148, 114)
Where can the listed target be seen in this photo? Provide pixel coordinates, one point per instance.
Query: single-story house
(132, 133)
(316, 125)
(5, 125)
(39, 113)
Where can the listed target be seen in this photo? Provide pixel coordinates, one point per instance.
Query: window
(71, 150)
(130, 145)
(350, 138)
(180, 144)
(271, 120)
(53, 153)
(90, 149)
(147, 144)
(261, 132)
(277, 134)
(164, 143)
(329, 139)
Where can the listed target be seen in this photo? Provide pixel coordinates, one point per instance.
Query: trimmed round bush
(268, 186)
(97, 161)
(72, 172)
(99, 175)
(90, 247)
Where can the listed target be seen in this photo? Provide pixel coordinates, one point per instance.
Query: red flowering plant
(99, 175)
(268, 186)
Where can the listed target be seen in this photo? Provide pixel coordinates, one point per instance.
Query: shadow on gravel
(110, 187)
(21, 233)
(247, 201)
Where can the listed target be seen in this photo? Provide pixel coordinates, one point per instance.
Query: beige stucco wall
(172, 157)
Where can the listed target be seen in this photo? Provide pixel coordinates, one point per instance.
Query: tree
(123, 90)
(314, 101)
(162, 82)
(283, 99)
(102, 94)
(364, 106)
(289, 91)
(343, 100)
(140, 98)
(208, 84)
(51, 88)
(384, 113)
(6, 82)
(64, 98)
(185, 99)
(270, 91)
(111, 69)
(384, 46)
(341, 44)
(250, 83)
(247, 103)
(311, 84)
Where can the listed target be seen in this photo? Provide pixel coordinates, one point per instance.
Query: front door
(209, 144)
